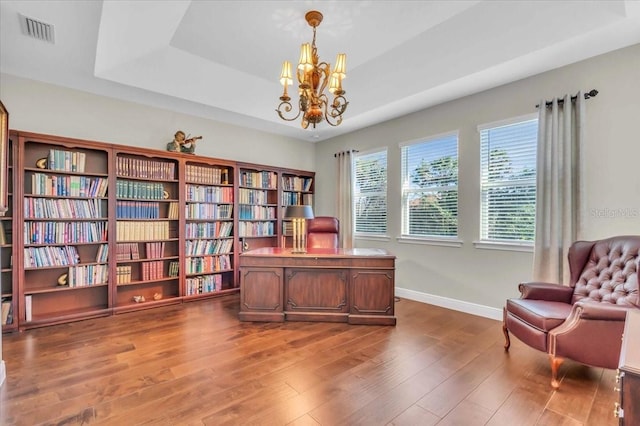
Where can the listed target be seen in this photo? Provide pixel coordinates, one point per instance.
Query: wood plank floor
(195, 364)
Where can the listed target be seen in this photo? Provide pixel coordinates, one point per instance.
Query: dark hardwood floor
(197, 364)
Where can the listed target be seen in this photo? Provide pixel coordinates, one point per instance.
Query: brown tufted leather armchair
(584, 320)
(322, 232)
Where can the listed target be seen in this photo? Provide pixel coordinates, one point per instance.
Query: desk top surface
(317, 252)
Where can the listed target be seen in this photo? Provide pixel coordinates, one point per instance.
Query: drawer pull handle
(618, 412)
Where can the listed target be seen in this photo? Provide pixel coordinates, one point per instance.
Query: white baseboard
(456, 305)
(3, 372)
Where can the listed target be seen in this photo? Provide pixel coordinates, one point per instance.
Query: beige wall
(43, 108)
(467, 277)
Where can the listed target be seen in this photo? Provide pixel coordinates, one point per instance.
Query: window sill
(452, 242)
(372, 237)
(502, 245)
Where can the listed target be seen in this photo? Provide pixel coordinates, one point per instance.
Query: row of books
(203, 265)
(296, 199)
(123, 274)
(256, 229)
(249, 212)
(137, 209)
(5, 236)
(147, 169)
(209, 230)
(253, 196)
(152, 270)
(140, 190)
(38, 257)
(68, 186)
(208, 247)
(209, 194)
(296, 183)
(103, 253)
(136, 231)
(127, 251)
(68, 161)
(174, 268)
(209, 211)
(7, 312)
(62, 208)
(203, 284)
(207, 174)
(87, 275)
(64, 232)
(154, 250)
(261, 179)
(174, 211)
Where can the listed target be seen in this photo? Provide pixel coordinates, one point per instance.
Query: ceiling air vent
(37, 29)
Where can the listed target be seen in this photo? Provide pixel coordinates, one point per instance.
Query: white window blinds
(430, 187)
(370, 195)
(508, 180)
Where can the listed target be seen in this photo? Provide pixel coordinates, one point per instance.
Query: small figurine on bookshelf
(181, 143)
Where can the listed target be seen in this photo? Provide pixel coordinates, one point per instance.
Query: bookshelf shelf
(66, 316)
(142, 224)
(147, 259)
(150, 281)
(62, 288)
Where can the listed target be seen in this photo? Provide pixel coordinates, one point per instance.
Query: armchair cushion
(541, 314)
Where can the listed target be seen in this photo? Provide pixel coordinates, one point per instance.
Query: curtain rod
(349, 151)
(590, 94)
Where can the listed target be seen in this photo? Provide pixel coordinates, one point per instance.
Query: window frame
(438, 240)
(502, 244)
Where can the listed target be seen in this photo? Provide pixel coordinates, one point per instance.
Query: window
(370, 197)
(430, 187)
(508, 180)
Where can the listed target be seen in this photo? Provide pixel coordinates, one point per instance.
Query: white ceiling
(221, 59)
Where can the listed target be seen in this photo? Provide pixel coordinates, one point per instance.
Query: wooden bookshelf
(147, 243)
(209, 229)
(63, 272)
(111, 229)
(257, 206)
(296, 188)
(8, 289)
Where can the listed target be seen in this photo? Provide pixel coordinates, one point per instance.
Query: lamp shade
(341, 65)
(298, 212)
(306, 61)
(285, 76)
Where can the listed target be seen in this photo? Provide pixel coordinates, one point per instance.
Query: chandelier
(313, 77)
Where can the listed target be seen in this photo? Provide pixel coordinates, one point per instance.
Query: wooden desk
(337, 285)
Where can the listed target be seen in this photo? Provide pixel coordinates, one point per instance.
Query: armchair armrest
(590, 335)
(602, 311)
(546, 291)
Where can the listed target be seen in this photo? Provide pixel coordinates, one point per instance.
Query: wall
(479, 280)
(476, 280)
(43, 108)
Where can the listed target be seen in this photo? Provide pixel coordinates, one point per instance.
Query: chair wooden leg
(507, 341)
(555, 365)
